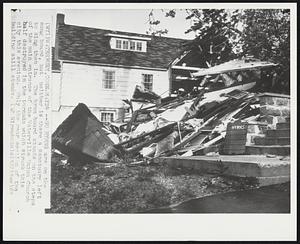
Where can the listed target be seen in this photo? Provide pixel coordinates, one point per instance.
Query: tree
(266, 36)
(216, 31)
(224, 34)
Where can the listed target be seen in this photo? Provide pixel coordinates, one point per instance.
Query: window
(125, 44)
(128, 44)
(118, 44)
(148, 82)
(109, 79)
(139, 46)
(132, 45)
(107, 117)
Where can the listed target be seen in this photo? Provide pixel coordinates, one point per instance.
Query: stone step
(272, 141)
(280, 126)
(278, 133)
(282, 150)
(259, 140)
(277, 141)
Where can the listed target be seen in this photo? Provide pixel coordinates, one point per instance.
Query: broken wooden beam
(81, 137)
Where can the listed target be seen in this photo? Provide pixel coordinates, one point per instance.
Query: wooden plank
(133, 118)
(146, 143)
(159, 130)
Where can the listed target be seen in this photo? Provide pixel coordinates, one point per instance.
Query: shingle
(91, 45)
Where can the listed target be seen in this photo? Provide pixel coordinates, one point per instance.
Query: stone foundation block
(283, 126)
(270, 110)
(278, 133)
(282, 101)
(285, 112)
(266, 101)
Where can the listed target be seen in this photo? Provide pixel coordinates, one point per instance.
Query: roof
(84, 44)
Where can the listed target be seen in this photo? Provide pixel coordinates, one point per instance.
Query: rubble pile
(202, 123)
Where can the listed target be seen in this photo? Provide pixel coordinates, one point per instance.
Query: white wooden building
(101, 67)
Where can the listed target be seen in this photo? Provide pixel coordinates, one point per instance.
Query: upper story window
(139, 46)
(125, 45)
(108, 79)
(148, 82)
(118, 44)
(130, 43)
(107, 116)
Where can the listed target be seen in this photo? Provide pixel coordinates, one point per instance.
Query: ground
(124, 188)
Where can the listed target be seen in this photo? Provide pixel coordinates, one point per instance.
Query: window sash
(132, 45)
(125, 44)
(139, 46)
(148, 82)
(109, 79)
(107, 117)
(118, 44)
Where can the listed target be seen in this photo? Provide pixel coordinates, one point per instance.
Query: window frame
(123, 46)
(120, 42)
(113, 113)
(129, 45)
(137, 45)
(145, 81)
(105, 80)
(134, 45)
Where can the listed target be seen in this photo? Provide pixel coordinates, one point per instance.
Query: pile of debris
(202, 123)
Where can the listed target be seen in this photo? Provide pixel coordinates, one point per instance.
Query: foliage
(152, 26)
(225, 34)
(216, 31)
(266, 36)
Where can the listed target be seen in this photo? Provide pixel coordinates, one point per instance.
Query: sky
(130, 20)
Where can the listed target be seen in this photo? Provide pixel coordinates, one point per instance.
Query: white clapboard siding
(55, 91)
(83, 83)
(78, 83)
(160, 81)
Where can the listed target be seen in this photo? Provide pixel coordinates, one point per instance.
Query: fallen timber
(192, 124)
(82, 137)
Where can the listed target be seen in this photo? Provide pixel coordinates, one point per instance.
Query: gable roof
(84, 44)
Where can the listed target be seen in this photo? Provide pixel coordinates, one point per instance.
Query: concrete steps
(267, 170)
